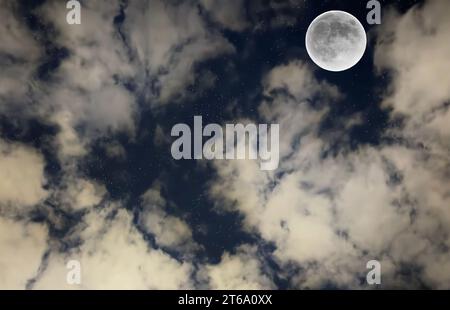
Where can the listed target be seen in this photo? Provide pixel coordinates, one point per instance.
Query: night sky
(86, 171)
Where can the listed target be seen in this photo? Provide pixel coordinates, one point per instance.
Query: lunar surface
(336, 41)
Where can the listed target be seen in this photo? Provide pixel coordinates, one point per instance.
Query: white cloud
(330, 215)
(19, 56)
(114, 255)
(412, 47)
(87, 90)
(169, 40)
(23, 246)
(67, 141)
(87, 98)
(229, 14)
(169, 231)
(155, 49)
(22, 177)
(82, 193)
(239, 271)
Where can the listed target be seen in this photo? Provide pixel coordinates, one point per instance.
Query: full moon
(336, 41)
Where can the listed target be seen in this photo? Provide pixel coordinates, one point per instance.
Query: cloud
(168, 41)
(93, 90)
(329, 215)
(151, 54)
(23, 245)
(19, 57)
(22, 177)
(81, 193)
(67, 141)
(239, 271)
(229, 14)
(88, 89)
(89, 95)
(169, 231)
(288, 210)
(410, 47)
(114, 255)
